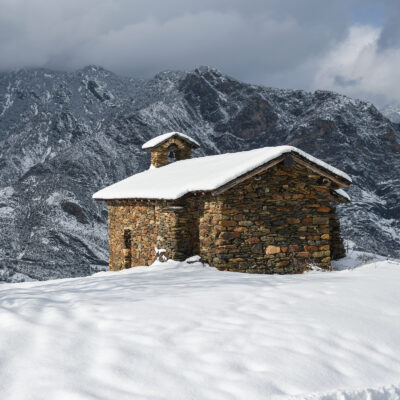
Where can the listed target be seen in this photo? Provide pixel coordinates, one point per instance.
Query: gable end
(338, 181)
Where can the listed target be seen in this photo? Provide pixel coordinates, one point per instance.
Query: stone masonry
(275, 222)
(172, 226)
(279, 221)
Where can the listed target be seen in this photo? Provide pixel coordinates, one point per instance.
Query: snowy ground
(179, 331)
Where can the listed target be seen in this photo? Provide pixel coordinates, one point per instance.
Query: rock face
(63, 136)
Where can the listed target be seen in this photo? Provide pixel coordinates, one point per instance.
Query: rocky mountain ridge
(64, 135)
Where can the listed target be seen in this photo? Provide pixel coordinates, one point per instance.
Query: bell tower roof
(170, 147)
(158, 140)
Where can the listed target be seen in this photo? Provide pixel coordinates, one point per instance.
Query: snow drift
(188, 331)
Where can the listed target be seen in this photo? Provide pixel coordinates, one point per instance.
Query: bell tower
(170, 147)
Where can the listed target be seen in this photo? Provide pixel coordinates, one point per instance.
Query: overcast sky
(349, 46)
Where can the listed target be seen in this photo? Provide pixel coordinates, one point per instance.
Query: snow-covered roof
(200, 174)
(342, 193)
(162, 138)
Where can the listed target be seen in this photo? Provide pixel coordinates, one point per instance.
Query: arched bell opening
(172, 153)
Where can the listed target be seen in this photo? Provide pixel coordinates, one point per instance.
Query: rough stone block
(303, 254)
(311, 248)
(228, 223)
(282, 263)
(320, 220)
(229, 235)
(272, 249)
(245, 223)
(320, 254)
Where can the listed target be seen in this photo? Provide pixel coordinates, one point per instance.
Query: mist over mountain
(64, 136)
(392, 112)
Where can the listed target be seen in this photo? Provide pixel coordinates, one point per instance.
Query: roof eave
(339, 198)
(341, 181)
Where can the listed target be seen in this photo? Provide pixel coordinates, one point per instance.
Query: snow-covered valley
(188, 331)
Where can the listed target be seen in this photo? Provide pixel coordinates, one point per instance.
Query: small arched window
(172, 152)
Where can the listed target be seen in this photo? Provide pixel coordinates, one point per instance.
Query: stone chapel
(268, 210)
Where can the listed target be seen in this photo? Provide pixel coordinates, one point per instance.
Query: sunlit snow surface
(187, 331)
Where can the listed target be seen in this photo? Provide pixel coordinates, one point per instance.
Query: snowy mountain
(63, 136)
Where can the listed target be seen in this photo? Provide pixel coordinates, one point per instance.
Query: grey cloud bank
(276, 43)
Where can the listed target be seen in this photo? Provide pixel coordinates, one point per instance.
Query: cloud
(390, 35)
(359, 67)
(272, 42)
(341, 81)
(244, 38)
(244, 47)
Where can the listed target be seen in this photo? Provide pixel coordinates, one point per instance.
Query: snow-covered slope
(180, 331)
(64, 136)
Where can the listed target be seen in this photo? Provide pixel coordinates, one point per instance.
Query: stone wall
(337, 247)
(279, 221)
(172, 226)
(159, 154)
(140, 218)
(276, 222)
(179, 228)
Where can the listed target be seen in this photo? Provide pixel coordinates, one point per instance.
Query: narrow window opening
(172, 153)
(127, 248)
(288, 162)
(127, 238)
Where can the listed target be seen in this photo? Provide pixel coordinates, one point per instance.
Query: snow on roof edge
(342, 193)
(164, 137)
(321, 163)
